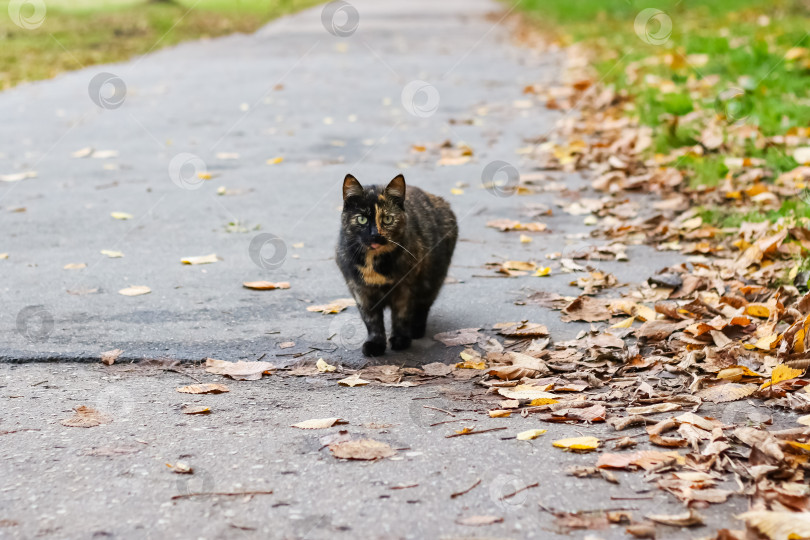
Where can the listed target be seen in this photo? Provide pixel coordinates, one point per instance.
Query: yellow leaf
(201, 259)
(471, 365)
(627, 323)
(353, 381)
(464, 431)
(457, 191)
(526, 391)
(543, 272)
(758, 310)
(324, 367)
(525, 239)
(644, 313)
(735, 373)
(112, 254)
(121, 215)
(499, 413)
(3, 256)
(800, 446)
(335, 307)
(782, 373)
(275, 160)
(542, 401)
(74, 266)
(265, 285)
(135, 290)
(779, 525)
(530, 434)
(204, 175)
(578, 443)
(768, 342)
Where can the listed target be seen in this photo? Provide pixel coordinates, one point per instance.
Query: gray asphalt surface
(328, 105)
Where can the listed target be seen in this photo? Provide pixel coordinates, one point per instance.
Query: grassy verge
(78, 33)
(719, 82)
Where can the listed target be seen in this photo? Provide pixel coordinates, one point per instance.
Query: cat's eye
(362, 220)
(388, 220)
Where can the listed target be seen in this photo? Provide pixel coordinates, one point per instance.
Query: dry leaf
(205, 388)
(324, 367)
(74, 266)
(437, 369)
(364, 449)
(587, 309)
(779, 525)
(353, 381)
(109, 357)
(690, 518)
(121, 215)
(240, 371)
(202, 259)
(782, 373)
(581, 444)
(112, 254)
(319, 423)
(722, 393)
(196, 409)
(525, 391)
(135, 290)
(85, 417)
(266, 286)
(529, 434)
(478, 521)
(335, 307)
(465, 336)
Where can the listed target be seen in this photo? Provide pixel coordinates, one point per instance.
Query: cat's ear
(396, 187)
(351, 187)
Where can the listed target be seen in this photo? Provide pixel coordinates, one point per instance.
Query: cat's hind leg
(401, 317)
(419, 320)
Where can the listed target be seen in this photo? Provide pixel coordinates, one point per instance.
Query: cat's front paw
(374, 348)
(399, 343)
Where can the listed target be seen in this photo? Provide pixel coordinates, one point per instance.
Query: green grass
(79, 33)
(678, 85)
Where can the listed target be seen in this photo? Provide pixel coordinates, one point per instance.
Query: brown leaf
(585, 308)
(265, 285)
(361, 449)
(761, 440)
(240, 371)
(723, 393)
(660, 330)
(437, 369)
(521, 330)
(206, 388)
(86, 417)
(464, 336)
(109, 357)
(335, 307)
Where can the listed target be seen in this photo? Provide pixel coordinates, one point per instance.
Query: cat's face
(374, 217)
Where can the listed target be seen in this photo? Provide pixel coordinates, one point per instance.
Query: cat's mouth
(374, 245)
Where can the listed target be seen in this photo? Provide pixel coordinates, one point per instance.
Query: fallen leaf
(690, 518)
(240, 371)
(782, 373)
(202, 259)
(319, 423)
(121, 215)
(778, 525)
(499, 413)
(585, 308)
(205, 388)
(135, 290)
(335, 307)
(267, 286)
(353, 381)
(582, 444)
(525, 391)
(437, 369)
(363, 449)
(109, 357)
(479, 521)
(464, 336)
(722, 393)
(112, 254)
(323, 366)
(530, 434)
(74, 266)
(85, 417)
(196, 409)
(656, 408)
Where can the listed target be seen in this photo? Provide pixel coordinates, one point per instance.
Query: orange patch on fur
(371, 276)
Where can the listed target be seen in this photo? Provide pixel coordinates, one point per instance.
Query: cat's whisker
(403, 247)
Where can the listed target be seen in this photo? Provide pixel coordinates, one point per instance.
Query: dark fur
(408, 283)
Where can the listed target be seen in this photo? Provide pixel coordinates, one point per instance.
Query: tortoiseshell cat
(394, 250)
